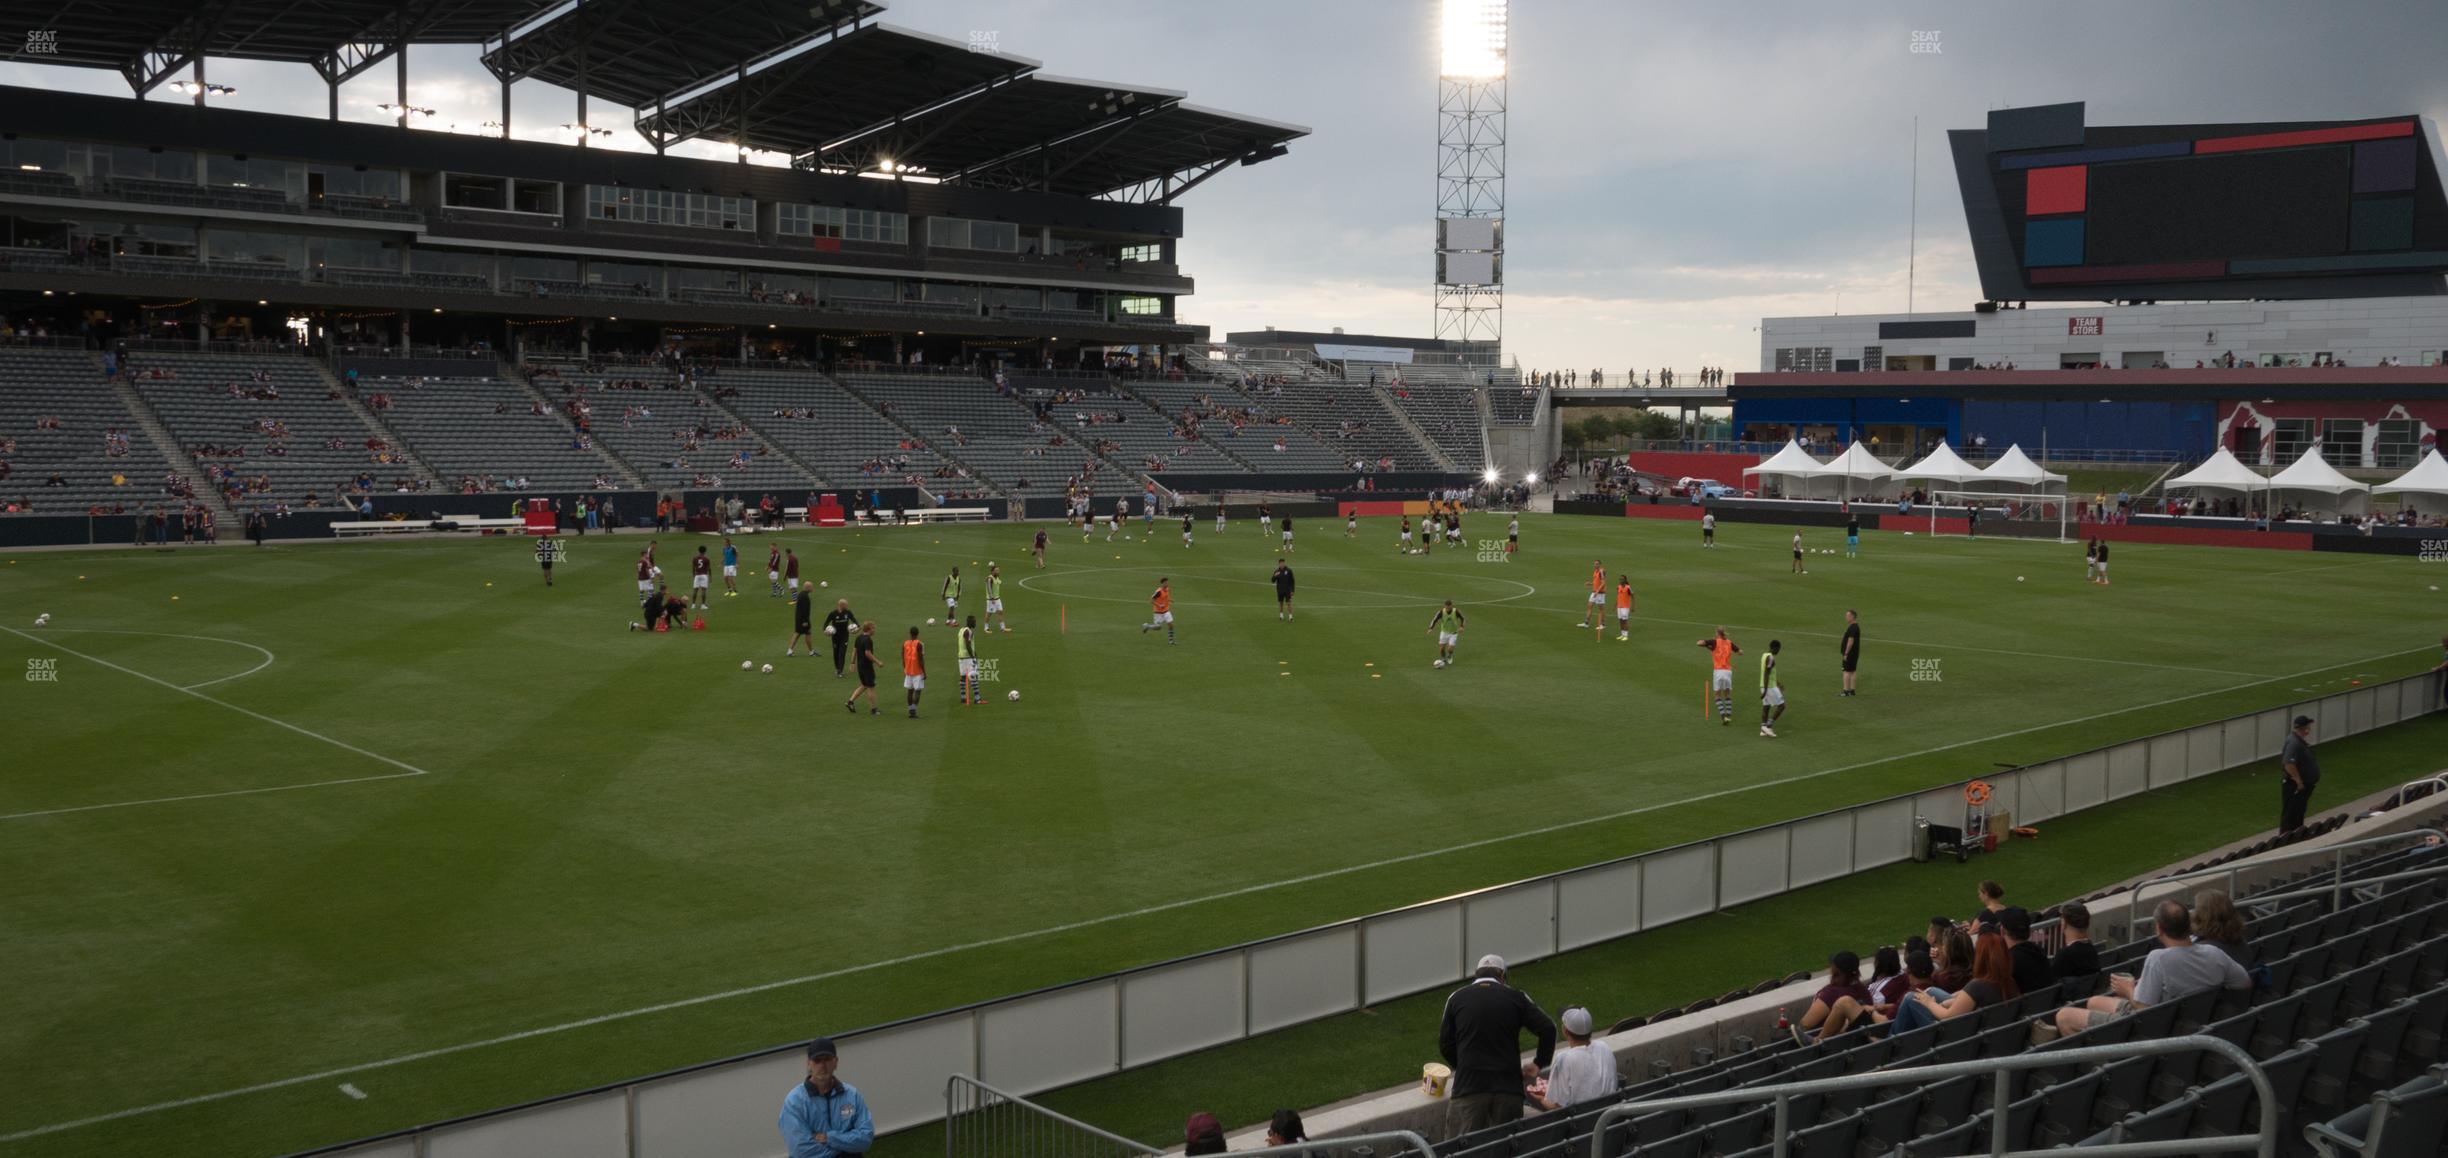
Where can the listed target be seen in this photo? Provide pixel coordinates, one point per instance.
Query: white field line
(265, 652)
(1108, 919)
(2328, 567)
(1636, 618)
(405, 769)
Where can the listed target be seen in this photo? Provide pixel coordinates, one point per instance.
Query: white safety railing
(2168, 887)
(1032, 1042)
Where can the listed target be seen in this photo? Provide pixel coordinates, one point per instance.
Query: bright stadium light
(1491, 474)
(1474, 38)
(1530, 479)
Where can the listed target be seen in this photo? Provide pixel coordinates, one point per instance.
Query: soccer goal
(2006, 506)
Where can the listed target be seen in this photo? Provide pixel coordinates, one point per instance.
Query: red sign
(2090, 327)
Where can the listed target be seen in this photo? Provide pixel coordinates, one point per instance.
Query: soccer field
(309, 842)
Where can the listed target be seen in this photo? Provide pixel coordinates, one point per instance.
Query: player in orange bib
(913, 669)
(1623, 608)
(1594, 614)
(1162, 604)
(1721, 674)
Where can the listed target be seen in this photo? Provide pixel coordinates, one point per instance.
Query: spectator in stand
(1844, 982)
(2032, 972)
(1889, 980)
(1203, 1135)
(2301, 775)
(2077, 958)
(824, 1116)
(1952, 951)
(1286, 1128)
(1993, 907)
(2216, 923)
(1480, 1038)
(2176, 970)
(1583, 1070)
(1991, 981)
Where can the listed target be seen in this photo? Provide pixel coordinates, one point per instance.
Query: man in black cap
(824, 1116)
(1480, 1037)
(2302, 775)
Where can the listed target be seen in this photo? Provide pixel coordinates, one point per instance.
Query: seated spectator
(1203, 1135)
(1990, 979)
(1993, 907)
(1952, 950)
(2077, 958)
(2216, 922)
(1285, 1128)
(1887, 976)
(1844, 981)
(2031, 963)
(1583, 1070)
(2176, 970)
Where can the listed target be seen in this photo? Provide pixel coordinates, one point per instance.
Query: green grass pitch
(395, 815)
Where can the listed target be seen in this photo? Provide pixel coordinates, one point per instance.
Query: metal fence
(1032, 1042)
(981, 1121)
(2263, 1141)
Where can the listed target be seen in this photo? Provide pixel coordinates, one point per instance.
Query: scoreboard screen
(2284, 204)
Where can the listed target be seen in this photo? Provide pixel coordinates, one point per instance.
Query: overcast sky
(1678, 170)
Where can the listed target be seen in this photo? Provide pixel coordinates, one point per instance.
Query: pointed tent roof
(1855, 463)
(2017, 469)
(1790, 462)
(2313, 473)
(2429, 477)
(2220, 472)
(1942, 464)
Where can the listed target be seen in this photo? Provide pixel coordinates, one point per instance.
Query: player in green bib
(1772, 695)
(1447, 626)
(970, 695)
(994, 598)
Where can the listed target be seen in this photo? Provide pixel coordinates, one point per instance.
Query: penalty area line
(1108, 919)
(405, 769)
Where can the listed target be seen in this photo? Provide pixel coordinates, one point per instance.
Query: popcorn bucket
(1435, 1079)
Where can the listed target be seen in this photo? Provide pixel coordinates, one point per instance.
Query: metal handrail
(2322, 891)
(2230, 870)
(1416, 1145)
(952, 1087)
(2264, 1140)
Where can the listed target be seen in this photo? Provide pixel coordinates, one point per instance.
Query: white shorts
(1623, 615)
(1773, 697)
(794, 583)
(1598, 598)
(772, 576)
(914, 683)
(2103, 568)
(1162, 617)
(1406, 536)
(994, 607)
(1287, 536)
(968, 668)
(1721, 679)
(657, 572)
(1447, 638)
(700, 580)
(730, 571)
(645, 586)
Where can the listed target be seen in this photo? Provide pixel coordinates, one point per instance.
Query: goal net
(1991, 507)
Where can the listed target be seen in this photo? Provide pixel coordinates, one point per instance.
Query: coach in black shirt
(1480, 1038)
(840, 625)
(2300, 774)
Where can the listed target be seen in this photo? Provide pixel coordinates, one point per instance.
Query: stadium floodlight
(1530, 479)
(1491, 474)
(1474, 38)
(208, 89)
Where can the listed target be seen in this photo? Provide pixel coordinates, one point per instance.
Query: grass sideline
(623, 854)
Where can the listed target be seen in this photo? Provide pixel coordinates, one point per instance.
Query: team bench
(395, 526)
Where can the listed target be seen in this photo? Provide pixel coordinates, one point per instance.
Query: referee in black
(840, 625)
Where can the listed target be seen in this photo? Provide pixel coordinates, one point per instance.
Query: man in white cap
(1583, 1070)
(1480, 1037)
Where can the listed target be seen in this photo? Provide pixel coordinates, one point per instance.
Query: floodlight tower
(1471, 174)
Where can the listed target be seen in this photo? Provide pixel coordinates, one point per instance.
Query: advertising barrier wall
(1037, 1041)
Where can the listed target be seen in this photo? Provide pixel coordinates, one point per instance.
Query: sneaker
(1623, 636)
(1145, 628)
(1728, 721)
(1767, 731)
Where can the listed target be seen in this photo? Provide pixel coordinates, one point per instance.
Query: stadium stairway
(367, 415)
(944, 452)
(628, 471)
(1156, 395)
(1402, 418)
(772, 445)
(2350, 1030)
(175, 455)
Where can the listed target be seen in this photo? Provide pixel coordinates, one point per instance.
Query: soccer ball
(747, 664)
(1440, 663)
(768, 669)
(930, 621)
(1013, 696)
(45, 617)
(828, 629)
(824, 583)
(2018, 578)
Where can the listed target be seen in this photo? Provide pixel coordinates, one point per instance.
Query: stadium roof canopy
(150, 41)
(636, 54)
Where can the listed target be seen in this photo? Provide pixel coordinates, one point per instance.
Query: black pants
(2292, 802)
(841, 651)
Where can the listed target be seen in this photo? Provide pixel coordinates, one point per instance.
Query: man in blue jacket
(824, 1117)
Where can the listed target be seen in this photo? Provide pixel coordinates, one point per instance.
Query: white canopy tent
(2424, 488)
(2220, 472)
(2016, 469)
(2313, 483)
(1942, 465)
(1843, 475)
(1786, 465)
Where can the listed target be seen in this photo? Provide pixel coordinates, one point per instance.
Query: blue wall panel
(2182, 428)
